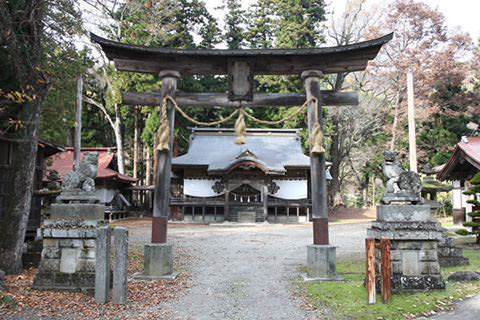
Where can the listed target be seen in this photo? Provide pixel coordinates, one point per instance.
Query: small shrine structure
(265, 179)
(240, 67)
(460, 168)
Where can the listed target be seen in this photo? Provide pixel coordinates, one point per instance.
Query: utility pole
(412, 142)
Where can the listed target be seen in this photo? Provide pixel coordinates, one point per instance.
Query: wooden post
(412, 143)
(226, 206)
(164, 165)
(370, 270)
(386, 270)
(265, 202)
(318, 180)
(78, 124)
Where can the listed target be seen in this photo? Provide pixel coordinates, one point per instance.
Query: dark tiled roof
(271, 149)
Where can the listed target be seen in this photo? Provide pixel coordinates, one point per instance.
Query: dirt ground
(225, 273)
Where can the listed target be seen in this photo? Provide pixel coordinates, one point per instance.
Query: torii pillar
(321, 256)
(158, 256)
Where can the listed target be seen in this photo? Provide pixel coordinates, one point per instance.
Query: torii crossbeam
(240, 66)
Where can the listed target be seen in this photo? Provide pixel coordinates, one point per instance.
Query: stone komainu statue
(402, 185)
(84, 177)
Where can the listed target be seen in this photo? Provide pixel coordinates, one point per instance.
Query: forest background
(444, 62)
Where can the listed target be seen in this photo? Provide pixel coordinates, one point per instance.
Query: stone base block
(453, 261)
(158, 260)
(87, 211)
(321, 262)
(417, 283)
(59, 281)
(403, 213)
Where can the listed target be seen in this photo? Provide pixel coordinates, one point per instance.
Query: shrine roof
(136, 58)
(63, 163)
(273, 150)
(464, 162)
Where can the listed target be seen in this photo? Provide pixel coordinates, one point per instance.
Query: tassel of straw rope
(163, 132)
(317, 136)
(240, 129)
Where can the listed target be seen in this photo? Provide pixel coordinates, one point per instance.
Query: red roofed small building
(460, 168)
(111, 186)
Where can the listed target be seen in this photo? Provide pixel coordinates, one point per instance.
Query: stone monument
(68, 255)
(414, 233)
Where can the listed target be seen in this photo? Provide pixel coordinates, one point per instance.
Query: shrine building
(265, 179)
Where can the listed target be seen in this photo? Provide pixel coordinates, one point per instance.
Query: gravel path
(246, 272)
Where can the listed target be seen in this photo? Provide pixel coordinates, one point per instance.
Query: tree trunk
(119, 140)
(15, 216)
(335, 186)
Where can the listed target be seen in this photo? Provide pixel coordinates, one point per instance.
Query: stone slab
(307, 278)
(74, 223)
(403, 213)
(69, 233)
(87, 211)
(246, 217)
(158, 259)
(404, 234)
(141, 276)
(102, 267)
(321, 261)
(120, 243)
(69, 259)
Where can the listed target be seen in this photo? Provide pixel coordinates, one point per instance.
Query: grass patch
(348, 299)
(5, 299)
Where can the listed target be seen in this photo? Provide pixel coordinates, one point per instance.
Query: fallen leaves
(145, 298)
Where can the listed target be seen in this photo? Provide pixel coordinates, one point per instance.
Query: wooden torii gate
(240, 66)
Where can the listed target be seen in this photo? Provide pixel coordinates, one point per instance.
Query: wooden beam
(130, 57)
(330, 98)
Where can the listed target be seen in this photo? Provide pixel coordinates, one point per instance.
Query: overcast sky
(458, 13)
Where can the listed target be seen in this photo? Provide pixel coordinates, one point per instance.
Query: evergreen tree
(475, 214)
(234, 25)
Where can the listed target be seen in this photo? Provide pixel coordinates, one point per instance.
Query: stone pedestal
(158, 262)
(83, 211)
(68, 255)
(321, 263)
(414, 236)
